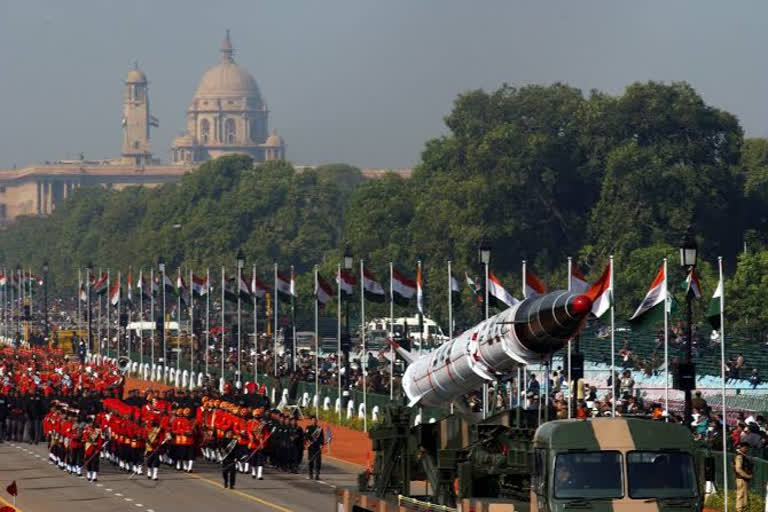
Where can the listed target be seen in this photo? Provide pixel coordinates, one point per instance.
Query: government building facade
(226, 116)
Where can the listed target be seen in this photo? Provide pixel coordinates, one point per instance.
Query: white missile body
(526, 333)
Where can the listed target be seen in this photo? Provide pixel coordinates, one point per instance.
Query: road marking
(128, 499)
(99, 485)
(118, 494)
(139, 505)
(240, 493)
(108, 490)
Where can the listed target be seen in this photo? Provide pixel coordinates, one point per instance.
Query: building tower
(136, 119)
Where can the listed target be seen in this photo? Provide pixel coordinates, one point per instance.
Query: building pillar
(39, 198)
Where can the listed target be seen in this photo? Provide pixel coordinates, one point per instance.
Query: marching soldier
(93, 446)
(742, 467)
(156, 439)
(296, 444)
(229, 459)
(315, 441)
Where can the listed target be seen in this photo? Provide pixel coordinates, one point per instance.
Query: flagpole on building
(317, 343)
(277, 307)
(666, 344)
(571, 387)
(613, 341)
(223, 301)
(391, 332)
(722, 382)
(207, 317)
(338, 332)
(255, 327)
(363, 360)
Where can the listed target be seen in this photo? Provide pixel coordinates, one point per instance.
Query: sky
(358, 81)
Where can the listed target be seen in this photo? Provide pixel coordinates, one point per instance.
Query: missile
(528, 332)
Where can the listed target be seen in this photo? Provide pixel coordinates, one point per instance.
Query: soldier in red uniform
(183, 441)
(93, 445)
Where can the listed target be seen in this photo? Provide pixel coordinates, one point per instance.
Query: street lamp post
(484, 254)
(240, 264)
(161, 267)
(88, 273)
(45, 299)
(687, 373)
(348, 263)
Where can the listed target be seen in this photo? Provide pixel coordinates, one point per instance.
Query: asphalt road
(43, 487)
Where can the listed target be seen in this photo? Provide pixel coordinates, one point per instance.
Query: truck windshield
(588, 475)
(661, 475)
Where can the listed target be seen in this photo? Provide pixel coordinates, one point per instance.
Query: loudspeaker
(577, 366)
(684, 377)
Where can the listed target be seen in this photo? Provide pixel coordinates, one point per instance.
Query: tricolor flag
(419, 290)
(371, 287)
(323, 291)
(655, 296)
(243, 290)
(476, 289)
(579, 283)
(83, 293)
(199, 286)
(601, 293)
(114, 292)
(230, 293)
(129, 285)
(3, 280)
(713, 313)
(169, 288)
(403, 288)
(346, 282)
(284, 287)
(692, 285)
(533, 285)
(181, 287)
(258, 287)
(497, 295)
(455, 290)
(100, 286)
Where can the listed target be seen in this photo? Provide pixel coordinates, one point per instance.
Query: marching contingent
(87, 422)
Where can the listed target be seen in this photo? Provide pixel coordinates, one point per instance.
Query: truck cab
(616, 465)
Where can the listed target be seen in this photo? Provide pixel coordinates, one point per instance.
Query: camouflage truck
(510, 462)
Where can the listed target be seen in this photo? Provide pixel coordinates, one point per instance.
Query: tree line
(540, 172)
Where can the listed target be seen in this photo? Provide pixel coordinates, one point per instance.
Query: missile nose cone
(580, 305)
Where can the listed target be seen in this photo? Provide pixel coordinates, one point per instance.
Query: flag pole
(109, 286)
(152, 314)
(191, 293)
(294, 351)
(666, 344)
(317, 343)
(141, 317)
(392, 332)
(79, 303)
(613, 341)
(178, 320)
(722, 382)
(277, 306)
(223, 307)
(525, 367)
(207, 317)
(338, 332)
(165, 324)
(571, 387)
(238, 382)
(485, 384)
(255, 327)
(363, 361)
(119, 297)
(450, 310)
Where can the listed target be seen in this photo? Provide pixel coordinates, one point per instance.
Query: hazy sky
(359, 81)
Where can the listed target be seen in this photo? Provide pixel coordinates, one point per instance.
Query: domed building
(227, 116)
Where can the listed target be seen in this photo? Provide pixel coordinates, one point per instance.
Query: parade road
(42, 487)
